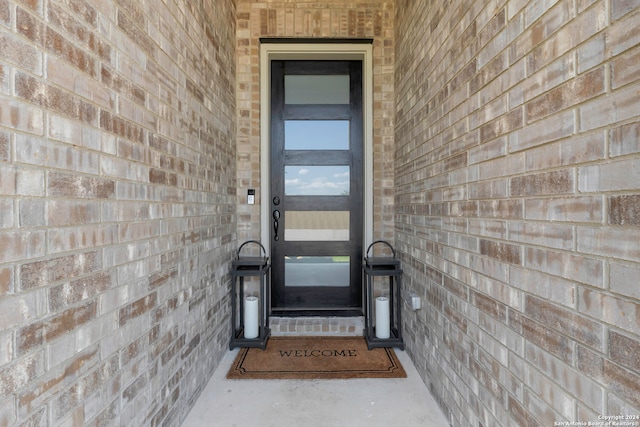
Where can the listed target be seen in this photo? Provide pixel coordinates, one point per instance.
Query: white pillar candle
(383, 323)
(251, 317)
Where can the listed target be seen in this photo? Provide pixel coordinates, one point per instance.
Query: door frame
(358, 50)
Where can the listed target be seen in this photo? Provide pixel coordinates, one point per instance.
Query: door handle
(276, 217)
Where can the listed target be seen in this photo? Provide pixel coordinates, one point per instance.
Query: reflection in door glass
(316, 270)
(316, 180)
(316, 135)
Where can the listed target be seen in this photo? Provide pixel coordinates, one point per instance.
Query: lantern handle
(264, 252)
(393, 251)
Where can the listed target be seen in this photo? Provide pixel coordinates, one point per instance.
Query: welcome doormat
(316, 358)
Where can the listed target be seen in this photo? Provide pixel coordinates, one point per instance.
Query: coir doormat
(316, 358)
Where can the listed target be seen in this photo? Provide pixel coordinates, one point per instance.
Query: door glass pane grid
(316, 152)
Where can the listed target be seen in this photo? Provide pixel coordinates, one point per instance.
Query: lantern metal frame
(383, 266)
(241, 268)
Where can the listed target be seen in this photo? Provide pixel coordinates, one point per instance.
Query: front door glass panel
(316, 180)
(316, 226)
(317, 271)
(316, 135)
(316, 89)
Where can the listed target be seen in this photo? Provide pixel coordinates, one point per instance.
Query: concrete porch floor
(315, 403)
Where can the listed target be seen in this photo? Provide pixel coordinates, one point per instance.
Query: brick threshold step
(335, 326)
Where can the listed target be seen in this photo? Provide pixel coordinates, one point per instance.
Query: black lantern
(388, 322)
(250, 313)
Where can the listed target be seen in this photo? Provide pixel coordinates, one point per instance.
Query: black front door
(316, 187)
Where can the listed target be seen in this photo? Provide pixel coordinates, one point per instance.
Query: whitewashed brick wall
(117, 207)
(518, 205)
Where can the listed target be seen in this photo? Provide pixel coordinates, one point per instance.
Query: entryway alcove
(316, 177)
